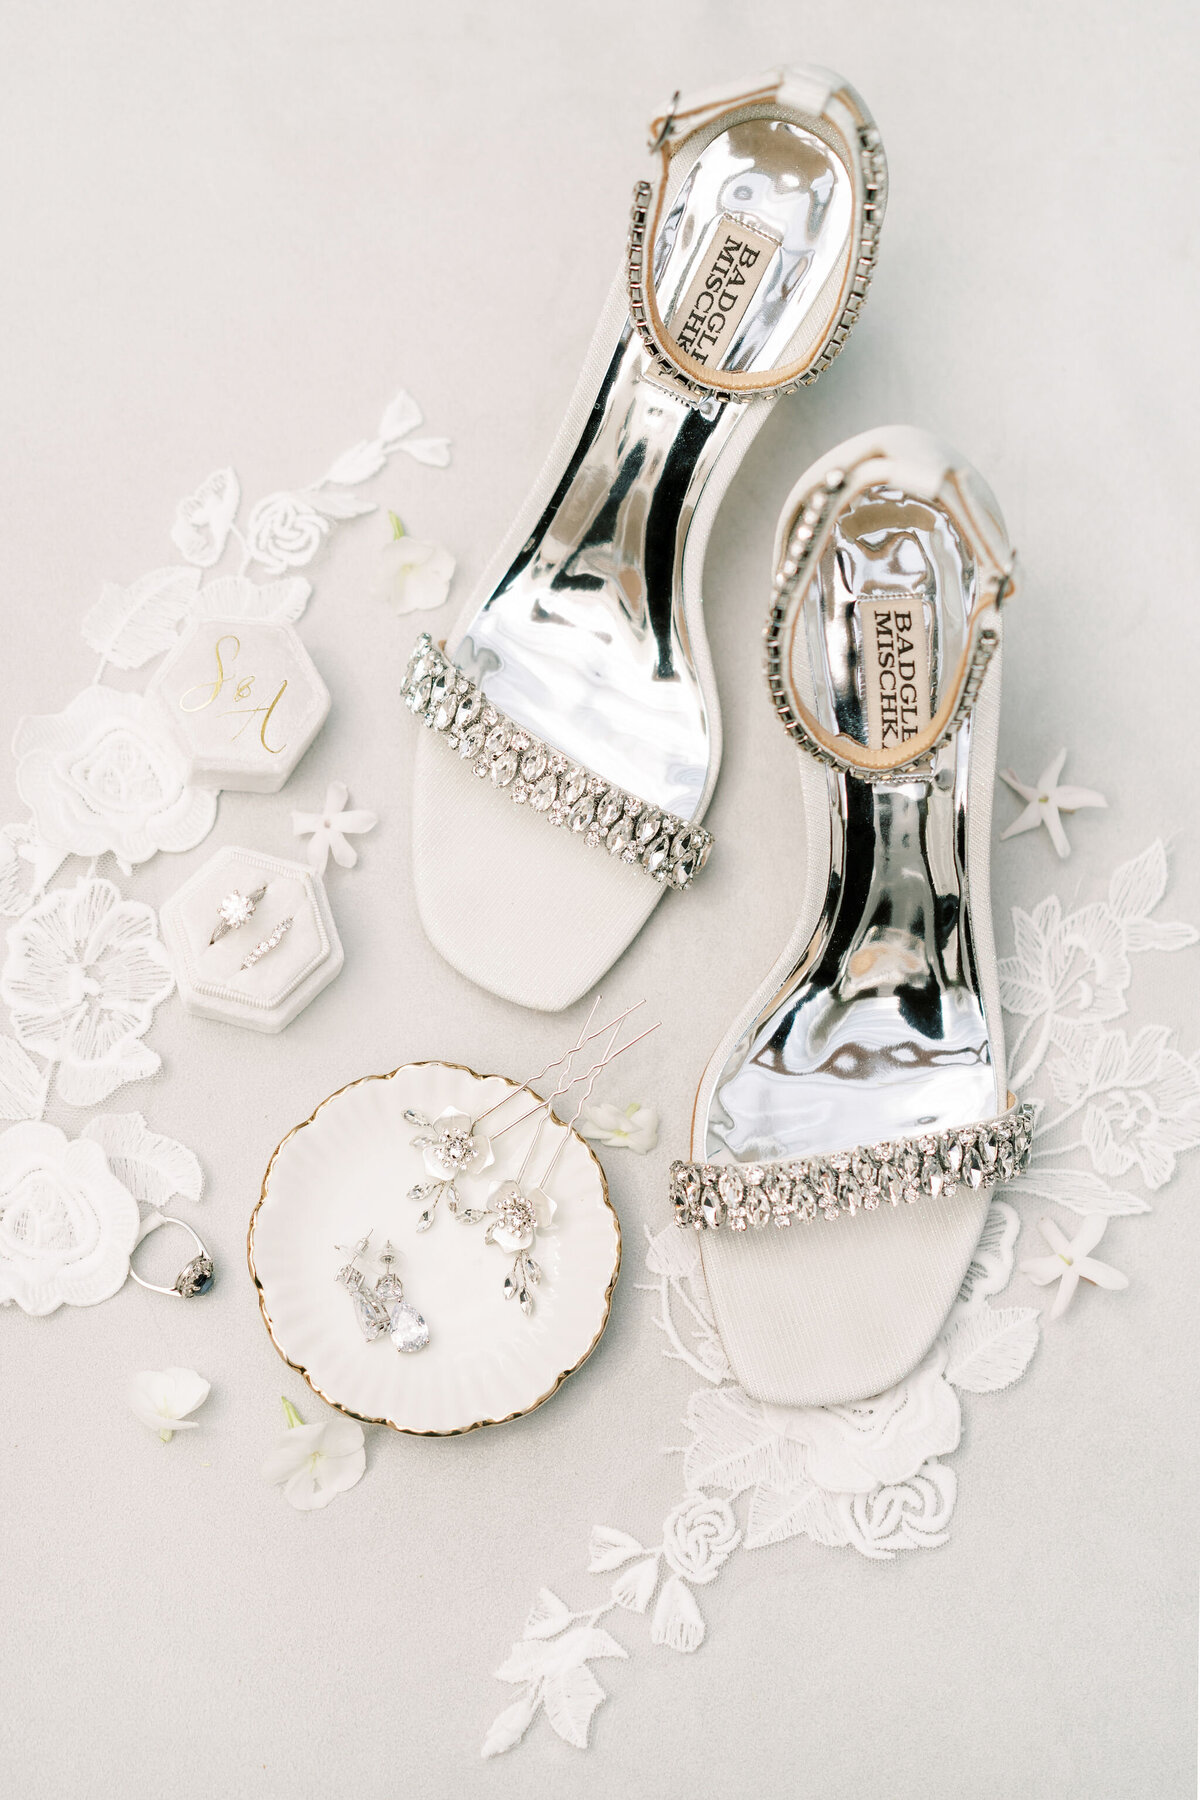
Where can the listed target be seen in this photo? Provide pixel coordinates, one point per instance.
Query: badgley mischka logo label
(721, 290)
(896, 670)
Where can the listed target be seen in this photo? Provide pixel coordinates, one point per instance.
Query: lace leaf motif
(869, 1477)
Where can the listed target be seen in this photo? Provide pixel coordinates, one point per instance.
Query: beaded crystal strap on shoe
(536, 775)
(708, 1195)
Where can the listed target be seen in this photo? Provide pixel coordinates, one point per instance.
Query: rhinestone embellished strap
(805, 544)
(708, 1195)
(665, 355)
(536, 775)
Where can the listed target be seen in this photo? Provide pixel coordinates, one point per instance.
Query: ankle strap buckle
(658, 138)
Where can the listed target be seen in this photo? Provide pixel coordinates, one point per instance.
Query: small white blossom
(162, 1399)
(1071, 1262)
(329, 829)
(634, 1127)
(413, 575)
(314, 1463)
(1046, 801)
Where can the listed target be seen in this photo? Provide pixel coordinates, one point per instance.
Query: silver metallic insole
(879, 1030)
(584, 640)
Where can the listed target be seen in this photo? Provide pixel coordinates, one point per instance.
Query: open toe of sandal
(860, 1101)
(576, 689)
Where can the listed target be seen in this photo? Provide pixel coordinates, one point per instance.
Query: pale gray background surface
(230, 233)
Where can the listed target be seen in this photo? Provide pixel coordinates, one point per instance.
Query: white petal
(1058, 836)
(1101, 1273)
(1042, 1270)
(1048, 779)
(1065, 1294)
(1088, 1235)
(1070, 799)
(293, 1448)
(1054, 1237)
(1029, 820)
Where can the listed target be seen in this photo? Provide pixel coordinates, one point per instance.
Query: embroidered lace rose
(698, 1537)
(284, 531)
(105, 775)
(67, 1225)
(1142, 1104)
(84, 973)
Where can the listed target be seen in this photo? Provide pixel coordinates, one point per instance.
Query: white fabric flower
(456, 1147)
(1046, 800)
(413, 576)
(26, 865)
(162, 1399)
(106, 775)
(698, 1536)
(329, 829)
(285, 531)
(1071, 1262)
(634, 1127)
(520, 1213)
(84, 972)
(202, 521)
(67, 1225)
(315, 1463)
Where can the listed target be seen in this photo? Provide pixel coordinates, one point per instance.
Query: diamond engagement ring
(195, 1277)
(236, 909)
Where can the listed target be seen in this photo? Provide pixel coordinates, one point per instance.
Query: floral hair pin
(454, 1146)
(517, 1209)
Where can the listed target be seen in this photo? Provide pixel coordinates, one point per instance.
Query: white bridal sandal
(578, 682)
(860, 1100)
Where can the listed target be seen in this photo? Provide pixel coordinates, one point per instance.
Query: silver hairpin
(517, 1210)
(455, 1146)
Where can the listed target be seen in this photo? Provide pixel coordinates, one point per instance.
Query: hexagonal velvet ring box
(244, 700)
(240, 909)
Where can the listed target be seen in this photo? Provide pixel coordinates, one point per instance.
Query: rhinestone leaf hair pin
(517, 1209)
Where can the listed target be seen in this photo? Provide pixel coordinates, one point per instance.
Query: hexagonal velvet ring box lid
(251, 938)
(244, 700)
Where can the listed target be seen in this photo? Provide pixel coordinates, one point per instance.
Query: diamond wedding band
(268, 943)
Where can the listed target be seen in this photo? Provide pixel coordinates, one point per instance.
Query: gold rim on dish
(476, 1424)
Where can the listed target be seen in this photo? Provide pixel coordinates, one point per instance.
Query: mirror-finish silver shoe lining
(584, 641)
(879, 1031)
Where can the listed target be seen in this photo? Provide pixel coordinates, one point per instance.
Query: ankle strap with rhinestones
(812, 97)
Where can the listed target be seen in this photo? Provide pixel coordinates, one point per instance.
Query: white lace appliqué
(85, 968)
(870, 1477)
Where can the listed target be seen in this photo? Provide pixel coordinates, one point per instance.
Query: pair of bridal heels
(864, 1084)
